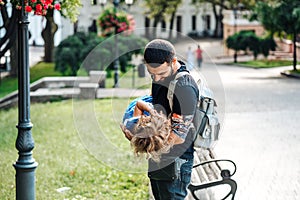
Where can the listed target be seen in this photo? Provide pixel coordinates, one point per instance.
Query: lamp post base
(25, 176)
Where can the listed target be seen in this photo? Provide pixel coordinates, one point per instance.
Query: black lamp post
(116, 61)
(25, 165)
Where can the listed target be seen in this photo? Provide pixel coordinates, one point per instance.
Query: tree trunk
(172, 25)
(147, 29)
(48, 36)
(155, 22)
(217, 21)
(235, 56)
(221, 25)
(8, 41)
(218, 18)
(295, 52)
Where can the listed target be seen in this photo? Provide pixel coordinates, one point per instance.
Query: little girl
(149, 132)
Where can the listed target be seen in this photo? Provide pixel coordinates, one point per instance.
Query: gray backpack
(206, 122)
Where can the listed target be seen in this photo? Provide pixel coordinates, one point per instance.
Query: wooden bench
(209, 172)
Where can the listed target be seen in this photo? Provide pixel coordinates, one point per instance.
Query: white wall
(89, 12)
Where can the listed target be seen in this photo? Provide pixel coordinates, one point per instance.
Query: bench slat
(203, 174)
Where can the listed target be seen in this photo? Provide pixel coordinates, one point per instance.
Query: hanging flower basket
(38, 7)
(114, 22)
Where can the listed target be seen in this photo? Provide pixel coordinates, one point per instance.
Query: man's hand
(127, 133)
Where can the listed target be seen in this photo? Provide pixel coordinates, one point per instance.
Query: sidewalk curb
(288, 73)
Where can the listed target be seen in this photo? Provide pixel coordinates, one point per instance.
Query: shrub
(75, 49)
(128, 46)
(267, 44)
(247, 40)
(67, 54)
(251, 42)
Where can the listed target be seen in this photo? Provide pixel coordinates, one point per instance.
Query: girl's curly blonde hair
(151, 136)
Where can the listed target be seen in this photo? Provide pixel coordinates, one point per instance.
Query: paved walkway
(260, 130)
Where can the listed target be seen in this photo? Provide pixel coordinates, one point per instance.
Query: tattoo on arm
(181, 124)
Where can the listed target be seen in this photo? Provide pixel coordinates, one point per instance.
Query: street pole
(116, 61)
(25, 165)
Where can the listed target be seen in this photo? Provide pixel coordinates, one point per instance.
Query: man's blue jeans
(176, 189)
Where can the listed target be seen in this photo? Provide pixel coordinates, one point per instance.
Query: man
(170, 177)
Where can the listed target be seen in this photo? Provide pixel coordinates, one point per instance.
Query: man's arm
(184, 106)
(140, 107)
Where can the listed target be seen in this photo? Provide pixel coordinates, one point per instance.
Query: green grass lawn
(266, 63)
(9, 84)
(296, 72)
(64, 157)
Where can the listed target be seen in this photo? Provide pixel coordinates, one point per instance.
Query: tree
(251, 41)
(69, 9)
(265, 14)
(217, 7)
(288, 16)
(233, 42)
(282, 16)
(171, 13)
(267, 44)
(67, 55)
(8, 41)
(247, 40)
(75, 51)
(161, 10)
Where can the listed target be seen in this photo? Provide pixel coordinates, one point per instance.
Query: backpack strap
(172, 85)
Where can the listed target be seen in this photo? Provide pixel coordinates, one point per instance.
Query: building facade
(189, 18)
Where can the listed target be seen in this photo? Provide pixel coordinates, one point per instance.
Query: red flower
(38, 13)
(38, 7)
(57, 6)
(28, 9)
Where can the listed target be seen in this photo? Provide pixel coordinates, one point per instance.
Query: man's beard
(166, 81)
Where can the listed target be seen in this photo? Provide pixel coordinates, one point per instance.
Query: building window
(207, 22)
(147, 25)
(147, 22)
(194, 22)
(178, 24)
(93, 2)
